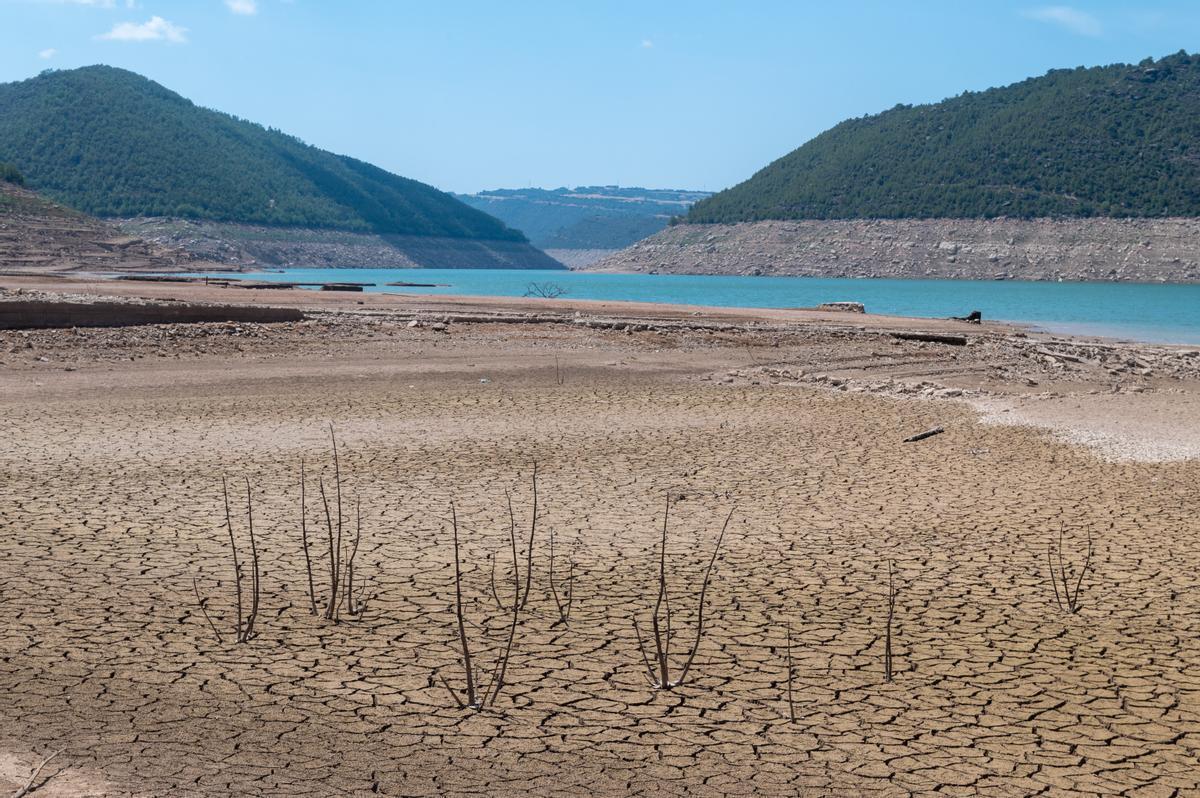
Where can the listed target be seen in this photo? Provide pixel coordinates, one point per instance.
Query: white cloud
(1072, 19)
(155, 29)
(47, 54)
(647, 44)
(244, 7)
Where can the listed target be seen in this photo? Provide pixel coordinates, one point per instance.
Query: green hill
(1106, 141)
(112, 143)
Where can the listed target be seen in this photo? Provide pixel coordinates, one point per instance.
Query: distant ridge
(113, 143)
(585, 217)
(1120, 141)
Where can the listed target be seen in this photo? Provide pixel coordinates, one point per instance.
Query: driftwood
(932, 338)
(920, 436)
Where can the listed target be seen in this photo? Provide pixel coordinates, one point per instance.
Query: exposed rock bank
(252, 246)
(1134, 250)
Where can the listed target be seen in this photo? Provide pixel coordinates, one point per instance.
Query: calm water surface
(1137, 311)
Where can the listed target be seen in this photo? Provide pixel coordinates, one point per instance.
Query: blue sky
(474, 95)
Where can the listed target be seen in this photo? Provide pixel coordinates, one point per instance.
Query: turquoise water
(1137, 311)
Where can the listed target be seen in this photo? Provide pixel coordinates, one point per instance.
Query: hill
(587, 222)
(113, 143)
(38, 235)
(1117, 141)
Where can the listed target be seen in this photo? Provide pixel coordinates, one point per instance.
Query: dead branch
(791, 675)
(703, 592)
(532, 531)
(920, 436)
(662, 605)
(334, 576)
(244, 628)
(545, 290)
(562, 602)
(1067, 597)
(502, 664)
(353, 608)
(248, 633)
(203, 608)
(462, 624)
(335, 548)
(31, 785)
(891, 612)
(237, 566)
(312, 593)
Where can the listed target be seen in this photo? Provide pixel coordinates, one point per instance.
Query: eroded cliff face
(1134, 250)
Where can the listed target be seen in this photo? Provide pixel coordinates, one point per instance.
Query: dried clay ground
(112, 448)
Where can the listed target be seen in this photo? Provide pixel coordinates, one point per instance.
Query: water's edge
(1148, 312)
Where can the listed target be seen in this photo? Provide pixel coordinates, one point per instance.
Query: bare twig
(791, 675)
(203, 608)
(312, 593)
(335, 548)
(458, 611)
(562, 602)
(334, 576)
(248, 632)
(661, 652)
(351, 607)
(662, 631)
(891, 612)
(30, 785)
(703, 591)
(532, 531)
(237, 566)
(502, 667)
(1067, 597)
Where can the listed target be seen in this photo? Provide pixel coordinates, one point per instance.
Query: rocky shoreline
(1124, 250)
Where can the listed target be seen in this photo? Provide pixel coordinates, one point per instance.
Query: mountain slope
(587, 217)
(1119, 141)
(112, 143)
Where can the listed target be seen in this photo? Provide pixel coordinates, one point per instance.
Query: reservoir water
(1162, 313)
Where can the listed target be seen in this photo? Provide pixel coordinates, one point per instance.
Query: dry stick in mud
(334, 576)
(353, 605)
(532, 531)
(489, 694)
(891, 612)
(563, 601)
(502, 664)
(31, 784)
(662, 631)
(1067, 597)
(312, 593)
(335, 543)
(255, 583)
(244, 631)
(791, 676)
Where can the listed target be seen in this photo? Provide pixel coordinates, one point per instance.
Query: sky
(469, 96)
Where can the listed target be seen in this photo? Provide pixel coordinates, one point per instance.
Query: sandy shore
(115, 441)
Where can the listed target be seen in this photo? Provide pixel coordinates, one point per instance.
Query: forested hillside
(112, 143)
(1119, 141)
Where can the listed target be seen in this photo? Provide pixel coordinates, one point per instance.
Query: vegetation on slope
(1106, 141)
(113, 143)
(9, 174)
